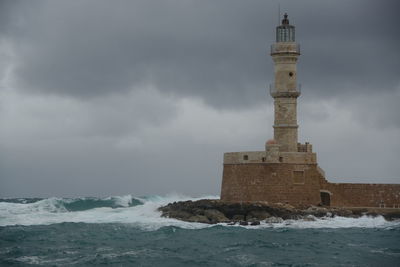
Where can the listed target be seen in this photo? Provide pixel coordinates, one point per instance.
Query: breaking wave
(142, 212)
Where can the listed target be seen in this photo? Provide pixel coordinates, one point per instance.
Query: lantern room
(285, 32)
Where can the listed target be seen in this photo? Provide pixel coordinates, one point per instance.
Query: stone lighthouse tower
(287, 171)
(285, 89)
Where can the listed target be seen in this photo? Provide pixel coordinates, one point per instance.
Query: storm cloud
(143, 97)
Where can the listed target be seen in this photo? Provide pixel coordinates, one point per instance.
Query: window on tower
(285, 33)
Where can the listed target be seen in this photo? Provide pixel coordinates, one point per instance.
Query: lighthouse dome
(271, 142)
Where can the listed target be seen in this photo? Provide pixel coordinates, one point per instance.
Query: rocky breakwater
(213, 211)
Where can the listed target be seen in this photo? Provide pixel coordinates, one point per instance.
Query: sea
(129, 231)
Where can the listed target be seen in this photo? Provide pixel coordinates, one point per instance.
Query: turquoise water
(124, 231)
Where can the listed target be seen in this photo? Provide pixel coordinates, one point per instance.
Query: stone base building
(296, 179)
(287, 171)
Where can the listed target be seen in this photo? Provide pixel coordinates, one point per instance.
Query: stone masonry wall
(363, 195)
(273, 182)
(298, 184)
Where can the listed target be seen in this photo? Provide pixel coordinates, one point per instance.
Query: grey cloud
(97, 86)
(216, 50)
(184, 157)
(379, 111)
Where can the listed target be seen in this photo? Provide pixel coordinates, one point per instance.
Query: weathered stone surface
(274, 220)
(390, 216)
(298, 184)
(309, 218)
(343, 212)
(198, 218)
(215, 216)
(258, 215)
(179, 214)
(238, 218)
(273, 182)
(217, 211)
(316, 211)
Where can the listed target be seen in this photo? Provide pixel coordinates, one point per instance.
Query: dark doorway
(325, 198)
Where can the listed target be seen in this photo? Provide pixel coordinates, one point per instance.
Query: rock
(390, 216)
(358, 211)
(215, 216)
(288, 206)
(215, 211)
(293, 217)
(316, 211)
(258, 215)
(198, 211)
(178, 214)
(274, 220)
(232, 209)
(238, 218)
(255, 223)
(309, 218)
(199, 219)
(343, 212)
(244, 223)
(250, 220)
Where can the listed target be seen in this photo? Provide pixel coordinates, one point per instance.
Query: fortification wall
(297, 184)
(363, 195)
(294, 184)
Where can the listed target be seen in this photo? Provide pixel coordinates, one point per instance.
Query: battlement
(249, 157)
(307, 147)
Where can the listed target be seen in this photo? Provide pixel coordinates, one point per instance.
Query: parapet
(249, 157)
(285, 48)
(307, 147)
(244, 157)
(272, 154)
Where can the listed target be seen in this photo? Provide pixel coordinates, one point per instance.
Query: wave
(71, 204)
(142, 212)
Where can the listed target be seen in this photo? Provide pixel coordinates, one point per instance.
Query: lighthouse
(287, 171)
(285, 90)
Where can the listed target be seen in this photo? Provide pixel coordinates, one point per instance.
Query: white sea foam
(51, 211)
(123, 201)
(336, 222)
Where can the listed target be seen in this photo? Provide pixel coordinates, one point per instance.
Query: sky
(143, 97)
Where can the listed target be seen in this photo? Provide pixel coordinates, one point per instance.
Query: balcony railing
(285, 48)
(285, 92)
